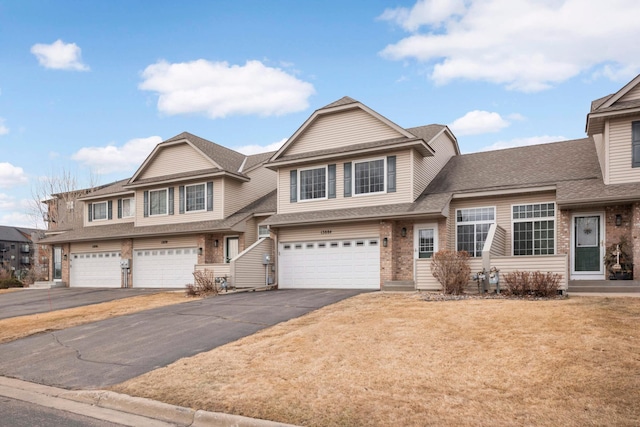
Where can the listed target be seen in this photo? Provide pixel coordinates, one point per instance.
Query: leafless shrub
(451, 269)
(534, 283)
(205, 284)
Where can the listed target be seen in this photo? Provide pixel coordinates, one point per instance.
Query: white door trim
(416, 249)
(600, 275)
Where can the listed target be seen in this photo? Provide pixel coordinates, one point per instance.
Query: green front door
(587, 250)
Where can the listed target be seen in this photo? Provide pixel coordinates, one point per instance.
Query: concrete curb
(122, 408)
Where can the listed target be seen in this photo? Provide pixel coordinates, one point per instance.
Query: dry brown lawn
(390, 359)
(20, 327)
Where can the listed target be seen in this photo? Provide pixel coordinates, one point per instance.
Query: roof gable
(339, 124)
(186, 153)
(631, 91)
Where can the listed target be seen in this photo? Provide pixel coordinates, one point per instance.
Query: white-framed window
(128, 207)
(313, 183)
(195, 197)
(472, 227)
(263, 231)
(534, 229)
(99, 211)
(369, 176)
(158, 202)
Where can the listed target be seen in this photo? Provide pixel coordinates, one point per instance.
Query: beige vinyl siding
(171, 242)
(403, 194)
(343, 128)
(177, 217)
(328, 232)
(602, 155)
(237, 194)
(503, 206)
(425, 280)
(543, 263)
(247, 269)
(102, 246)
(426, 168)
(175, 159)
(632, 95)
(250, 232)
(620, 156)
(113, 220)
(499, 245)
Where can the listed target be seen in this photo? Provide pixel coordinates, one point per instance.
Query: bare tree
(54, 199)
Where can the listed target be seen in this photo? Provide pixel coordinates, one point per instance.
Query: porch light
(64, 257)
(618, 220)
(215, 243)
(403, 232)
(199, 251)
(385, 242)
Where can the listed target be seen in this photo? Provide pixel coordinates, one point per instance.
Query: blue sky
(90, 87)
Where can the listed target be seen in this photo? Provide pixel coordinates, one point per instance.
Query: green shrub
(451, 269)
(10, 283)
(532, 283)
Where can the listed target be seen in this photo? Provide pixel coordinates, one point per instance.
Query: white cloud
(432, 12)
(59, 55)
(218, 89)
(256, 149)
(3, 129)
(111, 158)
(478, 122)
(525, 45)
(19, 219)
(521, 142)
(11, 175)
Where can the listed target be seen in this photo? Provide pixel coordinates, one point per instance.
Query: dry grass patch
(6, 291)
(382, 359)
(20, 327)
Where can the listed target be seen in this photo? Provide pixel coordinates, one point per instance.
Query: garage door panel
(95, 270)
(352, 263)
(163, 268)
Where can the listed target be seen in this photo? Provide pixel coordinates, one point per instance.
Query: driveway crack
(79, 355)
(228, 319)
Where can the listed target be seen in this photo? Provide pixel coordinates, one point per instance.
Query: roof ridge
(342, 101)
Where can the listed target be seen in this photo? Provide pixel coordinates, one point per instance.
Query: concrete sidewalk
(121, 408)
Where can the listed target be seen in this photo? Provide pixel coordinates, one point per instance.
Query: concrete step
(604, 286)
(604, 289)
(47, 285)
(399, 286)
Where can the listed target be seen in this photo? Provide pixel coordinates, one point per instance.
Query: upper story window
(313, 183)
(369, 177)
(158, 202)
(534, 229)
(635, 142)
(99, 211)
(195, 197)
(263, 231)
(127, 208)
(472, 228)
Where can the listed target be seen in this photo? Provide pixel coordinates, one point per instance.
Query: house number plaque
(325, 232)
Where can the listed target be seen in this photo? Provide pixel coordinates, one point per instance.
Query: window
(369, 177)
(472, 227)
(158, 202)
(635, 140)
(534, 229)
(426, 242)
(195, 198)
(313, 184)
(128, 208)
(263, 231)
(99, 211)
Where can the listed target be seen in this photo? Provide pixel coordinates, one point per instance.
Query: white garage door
(163, 268)
(95, 270)
(353, 263)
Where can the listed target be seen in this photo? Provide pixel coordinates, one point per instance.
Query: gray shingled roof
(427, 132)
(342, 101)
(595, 104)
(535, 165)
(618, 106)
(182, 175)
(11, 234)
(113, 188)
(256, 159)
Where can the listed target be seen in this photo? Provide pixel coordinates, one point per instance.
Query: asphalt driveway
(111, 351)
(33, 301)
